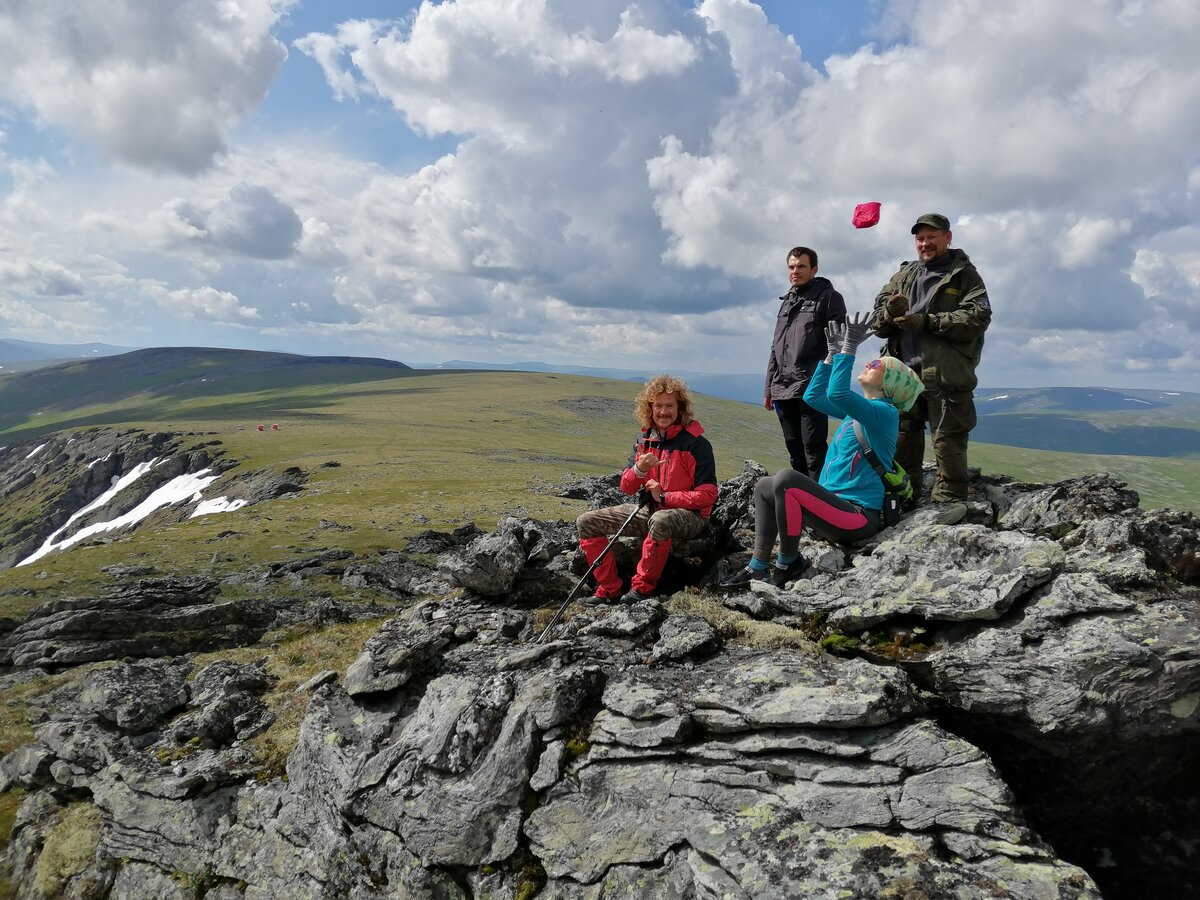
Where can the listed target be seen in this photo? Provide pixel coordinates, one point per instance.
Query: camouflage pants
(951, 416)
(662, 524)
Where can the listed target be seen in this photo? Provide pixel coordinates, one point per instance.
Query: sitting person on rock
(673, 462)
(845, 506)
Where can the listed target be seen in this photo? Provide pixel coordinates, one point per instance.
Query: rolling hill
(148, 384)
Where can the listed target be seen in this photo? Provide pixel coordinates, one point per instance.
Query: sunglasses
(875, 364)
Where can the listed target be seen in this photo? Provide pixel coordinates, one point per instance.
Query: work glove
(833, 339)
(896, 305)
(912, 322)
(858, 326)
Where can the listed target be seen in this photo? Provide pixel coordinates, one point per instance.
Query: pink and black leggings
(788, 501)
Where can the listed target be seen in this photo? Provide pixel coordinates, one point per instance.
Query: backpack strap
(868, 454)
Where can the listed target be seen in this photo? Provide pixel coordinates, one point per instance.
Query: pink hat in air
(865, 215)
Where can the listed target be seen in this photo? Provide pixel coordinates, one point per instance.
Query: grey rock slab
(608, 727)
(154, 618)
(1060, 508)
(1104, 547)
(136, 696)
(450, 780)
(681, 636)
(762, 827)
(395, 654)
(549, 766)
(1082, 661)
(627, 620)
(781, 688)
(225, 705)
(491, 564)
(1171, 539)
(942, 572)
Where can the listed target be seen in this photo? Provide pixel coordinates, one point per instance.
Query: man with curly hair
(673, 462)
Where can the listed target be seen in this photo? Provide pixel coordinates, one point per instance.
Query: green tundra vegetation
(436, 450)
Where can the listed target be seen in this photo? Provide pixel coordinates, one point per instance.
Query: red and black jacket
(686, 468)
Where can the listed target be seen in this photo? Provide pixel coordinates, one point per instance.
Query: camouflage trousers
(662, 524)
(950, 416)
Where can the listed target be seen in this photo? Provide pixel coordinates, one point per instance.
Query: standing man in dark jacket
(933, 314)
(796, 350)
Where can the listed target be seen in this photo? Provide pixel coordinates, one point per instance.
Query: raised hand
(858, 326)
(833, 338)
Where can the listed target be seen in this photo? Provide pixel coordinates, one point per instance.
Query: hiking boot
(781, 576)
(632, 596)
(600, 598)
(743, 576)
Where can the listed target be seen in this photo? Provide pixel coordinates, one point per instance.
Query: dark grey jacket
(799, 343)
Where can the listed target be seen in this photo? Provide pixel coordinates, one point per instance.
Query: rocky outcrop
(149, 618)
(1006, 705)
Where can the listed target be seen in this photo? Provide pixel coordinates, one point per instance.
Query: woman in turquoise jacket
(845, 505)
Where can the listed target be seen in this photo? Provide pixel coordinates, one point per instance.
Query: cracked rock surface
(675, 747)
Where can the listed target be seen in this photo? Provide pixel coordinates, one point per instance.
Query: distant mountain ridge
(20, 356)
(12, 350)
(170, 374)
(1113, 421)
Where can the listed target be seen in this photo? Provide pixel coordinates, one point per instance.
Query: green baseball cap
(933, 220)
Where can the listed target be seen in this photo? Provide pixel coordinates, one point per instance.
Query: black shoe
(598, 599)
(781, 576)
(743, 577)
(908, 505)
(632, 596)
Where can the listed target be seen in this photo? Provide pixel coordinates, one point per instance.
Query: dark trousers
(806, 434)
(951, 416)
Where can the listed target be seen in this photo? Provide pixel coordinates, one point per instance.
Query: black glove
(858, 326)
(897, 305)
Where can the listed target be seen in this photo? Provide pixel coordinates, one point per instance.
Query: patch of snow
(101, 459)
(35, 450)
(1136, 400)
(998, 397)
(216, 505)
(118, 485)
(1171, 393)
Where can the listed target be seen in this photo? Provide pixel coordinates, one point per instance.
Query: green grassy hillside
(437, 450)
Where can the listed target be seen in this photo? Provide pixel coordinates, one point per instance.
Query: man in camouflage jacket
(933, 313)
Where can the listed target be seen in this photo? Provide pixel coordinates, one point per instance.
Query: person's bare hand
(768, 403)
(647, 462)
(913, 322)
(655, 490)
(897, 305)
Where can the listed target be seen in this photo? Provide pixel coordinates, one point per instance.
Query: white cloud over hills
(609, 183)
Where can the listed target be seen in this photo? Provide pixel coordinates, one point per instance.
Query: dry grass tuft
(69, 849)
(304, 652)
(739, 628)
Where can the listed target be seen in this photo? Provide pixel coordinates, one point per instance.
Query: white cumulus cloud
(156, 85)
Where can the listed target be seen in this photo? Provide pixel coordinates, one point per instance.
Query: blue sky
(611, 183)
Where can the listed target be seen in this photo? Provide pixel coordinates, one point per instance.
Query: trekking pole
(644, 499)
